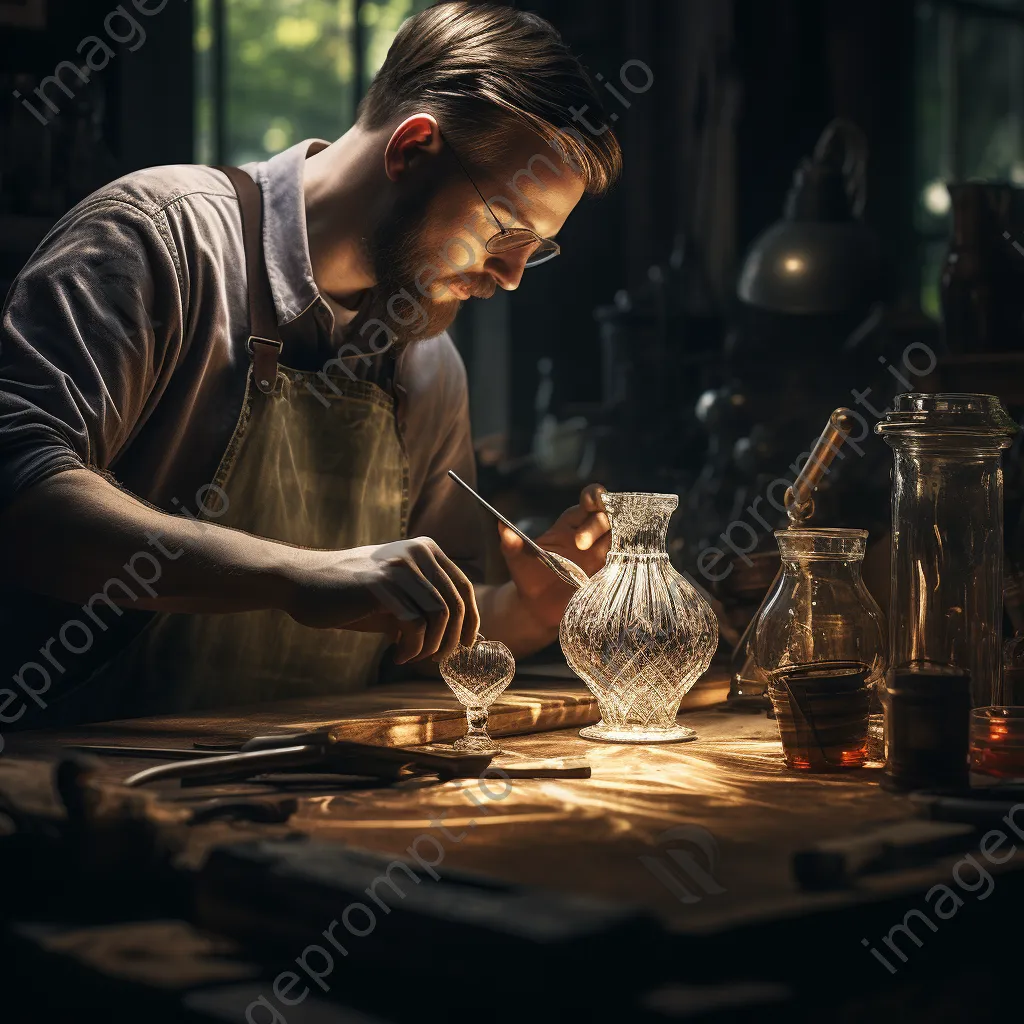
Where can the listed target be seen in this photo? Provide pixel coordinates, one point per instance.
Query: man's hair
(486, 71)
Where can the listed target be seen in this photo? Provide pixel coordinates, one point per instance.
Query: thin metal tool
(315, 750)
(545, 556)
(152, 753)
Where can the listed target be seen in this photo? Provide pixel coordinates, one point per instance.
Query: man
(236, 423)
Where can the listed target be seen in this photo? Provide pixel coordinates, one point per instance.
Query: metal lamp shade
(810, 267)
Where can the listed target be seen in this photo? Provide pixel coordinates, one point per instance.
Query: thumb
(511, 543)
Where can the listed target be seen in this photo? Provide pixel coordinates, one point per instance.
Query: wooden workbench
(585, 835)
(726, 798)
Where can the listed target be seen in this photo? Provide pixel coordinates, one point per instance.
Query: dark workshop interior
(722, 721)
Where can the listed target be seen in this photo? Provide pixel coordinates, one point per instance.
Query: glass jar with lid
(946, 593)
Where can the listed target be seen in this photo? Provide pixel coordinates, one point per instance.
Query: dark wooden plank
(171, 955)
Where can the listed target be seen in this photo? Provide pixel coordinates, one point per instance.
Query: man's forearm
(505, 616)
(75, 535)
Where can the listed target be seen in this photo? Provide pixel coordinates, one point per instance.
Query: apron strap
(264, 344)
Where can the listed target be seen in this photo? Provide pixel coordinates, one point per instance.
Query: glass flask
(947, 534)
(638, 633)
(820, 640)
(748, 685)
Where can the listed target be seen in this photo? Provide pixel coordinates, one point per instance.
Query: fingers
(445, 602)
(596, 525)
(591, 530)
(602, 546)
(511, 542)
(404, 599)
(444, 626)
(592, 497)
(436, 598)
(588, 521)
(467, 593)
(574, 516)
(411, 634)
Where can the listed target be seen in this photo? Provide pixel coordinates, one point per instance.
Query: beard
(399, 254)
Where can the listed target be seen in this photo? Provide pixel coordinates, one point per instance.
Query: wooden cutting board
(395, 714)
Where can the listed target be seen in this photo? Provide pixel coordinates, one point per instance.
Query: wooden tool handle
(799, 498)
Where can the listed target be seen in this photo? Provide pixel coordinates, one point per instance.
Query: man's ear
(417, 137)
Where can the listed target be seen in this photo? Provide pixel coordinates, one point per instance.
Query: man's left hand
(581, 533)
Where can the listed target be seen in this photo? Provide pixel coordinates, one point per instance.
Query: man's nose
(507, 269)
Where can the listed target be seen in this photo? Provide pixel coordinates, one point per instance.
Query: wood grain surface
(727, 798)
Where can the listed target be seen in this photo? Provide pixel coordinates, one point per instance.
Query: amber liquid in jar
(997, 741)
(822, 712)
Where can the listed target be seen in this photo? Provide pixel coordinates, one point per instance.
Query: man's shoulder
(432, 365)
(155, 189)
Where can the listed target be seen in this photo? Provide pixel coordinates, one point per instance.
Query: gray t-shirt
(122, 349)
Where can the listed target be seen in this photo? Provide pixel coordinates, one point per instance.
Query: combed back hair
(485, 72)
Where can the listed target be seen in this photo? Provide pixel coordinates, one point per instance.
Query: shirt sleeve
(89, 331)
(438, 437)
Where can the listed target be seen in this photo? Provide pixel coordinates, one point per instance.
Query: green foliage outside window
(290, 69)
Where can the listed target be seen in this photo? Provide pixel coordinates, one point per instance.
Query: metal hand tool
(316, 751)
(548, 558)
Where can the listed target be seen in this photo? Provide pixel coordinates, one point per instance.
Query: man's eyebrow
(505, 206)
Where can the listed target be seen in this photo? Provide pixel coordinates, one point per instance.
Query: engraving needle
(550, 560)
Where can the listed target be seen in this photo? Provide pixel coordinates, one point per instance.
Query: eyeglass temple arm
(458, 160)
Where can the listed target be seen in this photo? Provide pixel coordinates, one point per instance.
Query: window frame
(216, 73)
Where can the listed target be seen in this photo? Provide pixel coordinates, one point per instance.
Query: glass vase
(947, 535)
(638, 633)
(820, 640)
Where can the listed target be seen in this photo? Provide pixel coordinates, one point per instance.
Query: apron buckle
(265, 353)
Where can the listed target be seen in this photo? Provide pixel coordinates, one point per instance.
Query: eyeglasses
(510, 239)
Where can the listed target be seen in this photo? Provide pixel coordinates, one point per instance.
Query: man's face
(428, 251)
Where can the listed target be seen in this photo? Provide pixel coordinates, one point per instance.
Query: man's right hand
(70, 534)
(408, 589)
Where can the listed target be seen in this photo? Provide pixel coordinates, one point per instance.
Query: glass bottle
(946, 592)
(638, 633)
(821, 643)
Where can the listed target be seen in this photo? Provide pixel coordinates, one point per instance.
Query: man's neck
(341, 197)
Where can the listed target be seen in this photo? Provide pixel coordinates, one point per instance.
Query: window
(970, 112)
(274, 72)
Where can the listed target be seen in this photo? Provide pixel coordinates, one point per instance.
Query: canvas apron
(294, 471)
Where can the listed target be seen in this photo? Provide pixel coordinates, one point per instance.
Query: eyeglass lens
(514, 238)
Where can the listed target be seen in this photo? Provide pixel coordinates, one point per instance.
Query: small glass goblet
(477, 676)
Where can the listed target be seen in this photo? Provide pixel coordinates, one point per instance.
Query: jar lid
(947, 414)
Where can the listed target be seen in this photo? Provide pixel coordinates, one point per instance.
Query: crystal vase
(638, 634)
